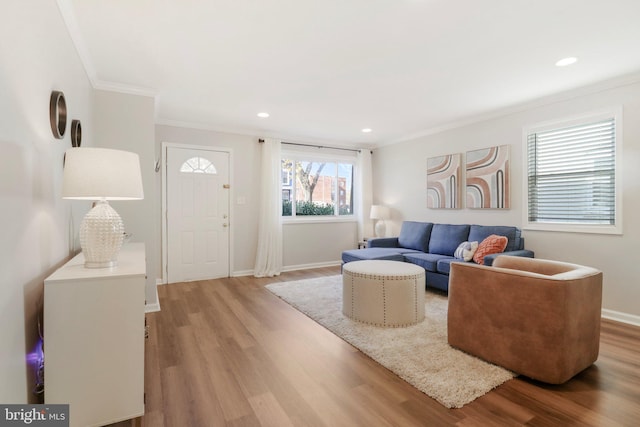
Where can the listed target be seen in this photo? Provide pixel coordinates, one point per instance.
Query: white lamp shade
(101, 173)
(380, 212)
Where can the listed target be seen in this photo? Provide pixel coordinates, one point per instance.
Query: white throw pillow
(466, 250)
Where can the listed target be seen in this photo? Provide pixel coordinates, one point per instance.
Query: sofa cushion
(444, 265)
(427, 261)
(466, 250)
(481, 232)
(445, 238)
(415, 235)
(391, 254)
(493, 244)
(383, 242)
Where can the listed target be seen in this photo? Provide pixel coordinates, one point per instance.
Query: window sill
(574, 228)
(317, 220)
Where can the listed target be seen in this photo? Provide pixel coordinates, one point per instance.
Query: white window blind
(571, 174)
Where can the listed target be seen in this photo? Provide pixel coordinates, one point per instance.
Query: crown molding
(124, 88)
(257, 133)
(69, 17)
(590, 89)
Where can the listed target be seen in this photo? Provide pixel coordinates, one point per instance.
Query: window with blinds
(571, 175)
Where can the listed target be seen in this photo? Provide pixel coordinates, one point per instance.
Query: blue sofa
(431, 246)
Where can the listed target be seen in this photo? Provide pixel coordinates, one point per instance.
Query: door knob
(225, 225)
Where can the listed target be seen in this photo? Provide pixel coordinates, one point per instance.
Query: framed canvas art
(443, 181)
(487, 178)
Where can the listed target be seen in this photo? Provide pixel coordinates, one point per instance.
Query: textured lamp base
(101, 236)
(381, 228)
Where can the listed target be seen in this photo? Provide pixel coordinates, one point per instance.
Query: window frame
(583, 119)
(310, 156)
(200, 169)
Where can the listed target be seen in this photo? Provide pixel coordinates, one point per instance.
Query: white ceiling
(325, 69)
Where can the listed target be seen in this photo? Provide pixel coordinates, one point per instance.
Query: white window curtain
(269, 251)
(364, 194)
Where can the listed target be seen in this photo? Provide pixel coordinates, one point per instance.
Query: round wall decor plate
(58, 114)
(76, 133)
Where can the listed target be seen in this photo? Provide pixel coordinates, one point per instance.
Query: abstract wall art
(488, 178)
(443, 181)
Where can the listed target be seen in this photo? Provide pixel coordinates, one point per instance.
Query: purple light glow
(36, 356)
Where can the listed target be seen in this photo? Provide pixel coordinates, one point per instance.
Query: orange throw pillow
(493, 244)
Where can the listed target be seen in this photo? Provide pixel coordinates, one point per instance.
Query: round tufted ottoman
(383, 293)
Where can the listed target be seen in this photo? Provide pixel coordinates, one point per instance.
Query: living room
(39, 54)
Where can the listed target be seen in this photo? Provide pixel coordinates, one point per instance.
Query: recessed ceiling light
(263, 115)
(566, 61)
(366, 130)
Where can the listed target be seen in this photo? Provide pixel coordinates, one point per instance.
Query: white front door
(197, 218)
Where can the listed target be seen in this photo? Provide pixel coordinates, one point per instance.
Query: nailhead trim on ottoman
(383, 293)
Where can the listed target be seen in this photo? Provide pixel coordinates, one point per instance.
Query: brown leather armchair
(535, 317)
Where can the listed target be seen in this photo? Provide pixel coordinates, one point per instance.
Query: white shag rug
(418, 354)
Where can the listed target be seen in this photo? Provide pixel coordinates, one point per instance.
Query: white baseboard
(313, 265)
(618, 316)
(150, 308)
(242, 273)
(291, 268)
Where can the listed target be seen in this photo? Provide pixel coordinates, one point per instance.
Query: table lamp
(380, 213)
(101, 174)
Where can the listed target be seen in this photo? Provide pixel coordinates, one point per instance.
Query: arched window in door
(198, 165)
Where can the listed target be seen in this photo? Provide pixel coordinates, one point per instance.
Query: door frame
(163, 195)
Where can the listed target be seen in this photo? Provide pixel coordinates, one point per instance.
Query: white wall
(126, 122)
(317, 244)
(304, 245)
(36, 57)
(399, 174)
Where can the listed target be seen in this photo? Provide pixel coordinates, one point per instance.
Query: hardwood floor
(227, 352)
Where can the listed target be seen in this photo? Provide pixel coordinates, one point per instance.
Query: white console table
(94, 338)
